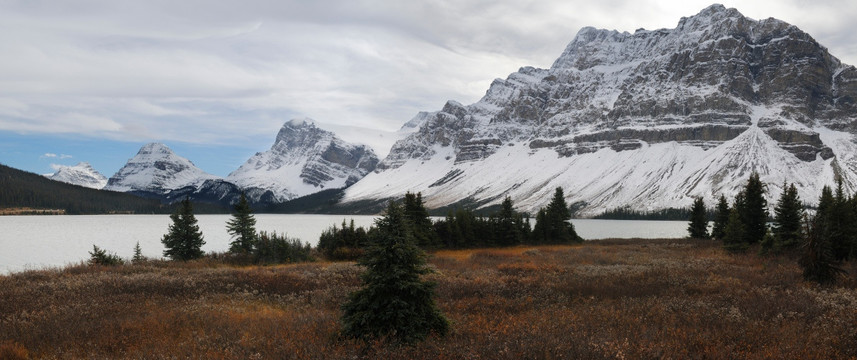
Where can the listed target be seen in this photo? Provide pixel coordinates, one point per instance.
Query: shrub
(275, 249)
(99, 256)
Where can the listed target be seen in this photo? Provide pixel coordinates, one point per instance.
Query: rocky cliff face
(303, 160)
(156, 169)
(81, 174)
(645, 120)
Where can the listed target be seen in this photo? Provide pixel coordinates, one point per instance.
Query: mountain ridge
(647, 120)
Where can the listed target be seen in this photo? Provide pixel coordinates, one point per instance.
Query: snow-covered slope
(158, 170)
(645, 121)
(81, 174)
(303, 160)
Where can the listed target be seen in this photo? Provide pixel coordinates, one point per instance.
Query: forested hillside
(21, 189)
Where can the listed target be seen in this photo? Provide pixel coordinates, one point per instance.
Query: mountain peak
(157, 169)
(155, 148)
(299, 122)
(81, 174)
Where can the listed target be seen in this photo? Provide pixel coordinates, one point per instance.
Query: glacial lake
(35, 242)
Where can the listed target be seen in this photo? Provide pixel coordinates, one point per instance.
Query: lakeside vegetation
(606, 299)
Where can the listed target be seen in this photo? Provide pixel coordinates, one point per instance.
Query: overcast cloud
(232, 72)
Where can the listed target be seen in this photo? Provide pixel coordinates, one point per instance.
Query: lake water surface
(33, 242)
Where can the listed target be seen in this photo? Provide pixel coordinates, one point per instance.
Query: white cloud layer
(227, 72)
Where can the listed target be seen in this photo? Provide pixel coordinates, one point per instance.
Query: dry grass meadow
(622, 299)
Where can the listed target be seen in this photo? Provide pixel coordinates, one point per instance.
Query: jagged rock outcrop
(303, 160)
(645, 120)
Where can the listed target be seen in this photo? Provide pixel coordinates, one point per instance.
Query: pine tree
(698, 226)
(556, 226)
(733, 235)
(508, 226)
(138, 254)
(242, 227)
(100, 256)
(840, 222)
(183, 240)
(418, 216)
(754, 214)
(788, 231)
(394, 302)
(818, 261)
(721, 217)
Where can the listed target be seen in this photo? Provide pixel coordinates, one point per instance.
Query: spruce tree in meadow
(841, 223)
(242, 227)
(394, 303)
(698, 226)
(788, 215)
(183, 240)
(138, 254)
(818, 261)
(721, 217)
(508, 226)
(559, 228)
(733, 235)
(418, 216)
(754, 213)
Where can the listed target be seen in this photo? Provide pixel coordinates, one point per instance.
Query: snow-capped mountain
(81, 174)
(646, 121)
(303, 160)
(157, 170)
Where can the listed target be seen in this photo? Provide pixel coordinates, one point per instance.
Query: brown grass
(640, 299)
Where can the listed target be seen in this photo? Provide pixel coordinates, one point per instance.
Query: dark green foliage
(183, 240)
(698, 222)
(394, 302)
(421, 224)
(626, 213)
(345, 243)
(840, 223)
(733, 236)
(277, 249)
(508, 228)
(99, 256)
(553, 225)
(242, 227)
(24, 189)
(754, 212)
(818, 261)
(721, 217)
(788, 215)
(138, 254)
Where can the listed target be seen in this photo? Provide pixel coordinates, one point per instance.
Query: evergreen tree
(553, 225)
(721, 217)
(183, 240)
(818, 262)
(99, 256)
(138, 254)
(698, 226)
(733, 235)
(242, 227)
(754, 212)
(840, 224)
(394, 302)
(788, 231)
(508, 226)
(418, 216)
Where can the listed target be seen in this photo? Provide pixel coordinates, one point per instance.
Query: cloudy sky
(93, 80)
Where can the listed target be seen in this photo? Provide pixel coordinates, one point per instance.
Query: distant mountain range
(643, 121)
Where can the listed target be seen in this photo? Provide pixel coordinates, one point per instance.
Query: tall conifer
(183, 240)
(242, 227)
(788, 215)
(721, 217)
(698, 226)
